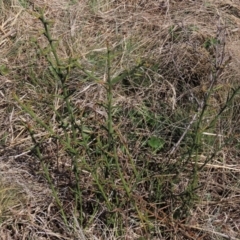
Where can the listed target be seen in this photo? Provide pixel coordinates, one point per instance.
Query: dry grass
(176, 40)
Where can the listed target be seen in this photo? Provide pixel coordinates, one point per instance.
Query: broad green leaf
(4, 70)
(156, 143)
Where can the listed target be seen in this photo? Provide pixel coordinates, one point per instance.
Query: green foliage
(4, 70)
(114, 162)
(211, 42)
(156, 143)
(24, 3)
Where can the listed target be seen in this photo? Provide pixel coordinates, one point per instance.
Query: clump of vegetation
(129, 133)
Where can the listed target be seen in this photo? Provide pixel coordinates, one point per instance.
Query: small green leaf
(86, 133)
(4, 70)
(156, 143)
